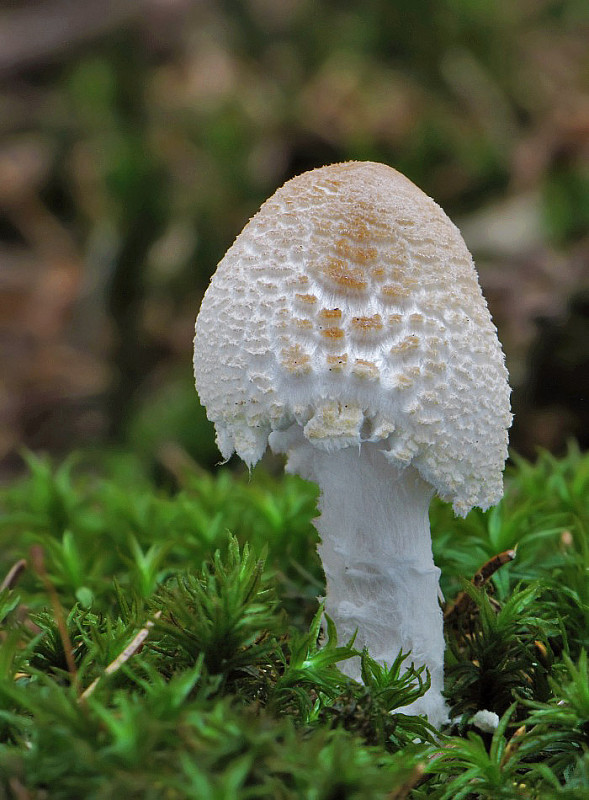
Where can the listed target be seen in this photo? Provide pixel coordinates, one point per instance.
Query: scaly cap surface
(350, 305)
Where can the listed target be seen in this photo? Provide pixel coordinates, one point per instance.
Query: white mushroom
(346, 328)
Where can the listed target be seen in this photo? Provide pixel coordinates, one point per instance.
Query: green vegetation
(168, 644)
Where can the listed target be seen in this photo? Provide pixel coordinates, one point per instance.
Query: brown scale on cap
(330, 313)
(405, 345)
(352, 253)
(295, 360)
(364, 223)
(399, 275)
(367, 326)
(303, 324)
(306, 299)
(300, 281)
(356, 226)
(394, 291)
(336, 363)
(339, 274)
(355, 262)
(333, 333)
(403, 381)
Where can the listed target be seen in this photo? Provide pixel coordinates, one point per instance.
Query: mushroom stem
(377, 557)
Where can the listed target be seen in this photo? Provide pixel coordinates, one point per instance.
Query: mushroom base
(377, 557)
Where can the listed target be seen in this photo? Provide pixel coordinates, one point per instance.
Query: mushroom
(345, 327)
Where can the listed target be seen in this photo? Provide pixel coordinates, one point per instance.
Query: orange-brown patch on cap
(304, 324)
(353, 252)
(337, 363)
(333, 333)
(295, 360)
(341, 274)
(405, 345)
(394, 291)
(365, 326)
(330, 313)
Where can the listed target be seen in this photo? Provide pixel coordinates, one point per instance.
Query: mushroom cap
(349, 305)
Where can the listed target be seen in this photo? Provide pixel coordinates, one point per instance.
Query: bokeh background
(138, 136)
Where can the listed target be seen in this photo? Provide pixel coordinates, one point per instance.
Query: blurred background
(138, 136)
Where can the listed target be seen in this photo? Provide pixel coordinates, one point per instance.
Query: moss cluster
(147, 652)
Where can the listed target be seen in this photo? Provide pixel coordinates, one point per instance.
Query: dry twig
(130, 650)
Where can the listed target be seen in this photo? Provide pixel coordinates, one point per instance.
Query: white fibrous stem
(377, 557)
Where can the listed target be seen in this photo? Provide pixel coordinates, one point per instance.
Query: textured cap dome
(350, 305)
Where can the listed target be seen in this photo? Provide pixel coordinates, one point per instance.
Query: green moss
(188, 662)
